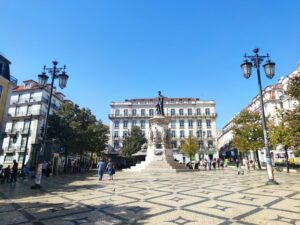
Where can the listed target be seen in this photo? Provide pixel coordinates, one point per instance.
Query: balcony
(115, 116)
(186, 115)
(10, 149)
(12, 131)
(26, 101)
(26, 114)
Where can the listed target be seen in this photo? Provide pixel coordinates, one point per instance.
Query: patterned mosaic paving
(205, 197)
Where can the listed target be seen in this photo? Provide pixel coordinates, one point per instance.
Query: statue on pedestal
(160, 104)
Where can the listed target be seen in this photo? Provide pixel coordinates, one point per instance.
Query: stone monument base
(159, 156)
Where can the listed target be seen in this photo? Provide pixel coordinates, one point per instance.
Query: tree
(98, 137)
(77, 131)
(133, 143)
(294, 88)
(292, 118)
(189, 146)
(279, 135)
(248, 133)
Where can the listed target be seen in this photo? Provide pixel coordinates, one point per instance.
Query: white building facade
(275, 98)
(188, 116)
(26, 100)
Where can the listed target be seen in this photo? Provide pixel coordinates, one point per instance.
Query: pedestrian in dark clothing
(1, 174)
(48, 169)
(14, 172)
(214, 162)
(7, 172)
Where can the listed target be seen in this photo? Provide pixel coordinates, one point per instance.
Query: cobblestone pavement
(212, 197)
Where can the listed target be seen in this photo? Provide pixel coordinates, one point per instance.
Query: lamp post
(55, 73)
(269, 68)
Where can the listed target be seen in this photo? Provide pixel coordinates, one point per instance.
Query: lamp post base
(272, 182)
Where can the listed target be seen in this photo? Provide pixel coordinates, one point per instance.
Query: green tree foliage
(133, 143)
(189, 146)
(292, 122)
(247, 131)
(77, 130)
(294, 88)
(292, 119)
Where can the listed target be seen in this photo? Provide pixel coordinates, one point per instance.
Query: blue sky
(132, 48)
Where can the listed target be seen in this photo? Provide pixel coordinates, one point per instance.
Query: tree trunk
(287, 159)
(257, 158)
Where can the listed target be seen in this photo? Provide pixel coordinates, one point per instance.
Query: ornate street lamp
(269, 67)
(55, 73)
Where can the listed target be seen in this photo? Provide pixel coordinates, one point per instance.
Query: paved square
(205, 197)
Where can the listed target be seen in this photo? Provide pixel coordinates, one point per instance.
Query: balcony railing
(24, 114)
(26, 100)
(111, 116)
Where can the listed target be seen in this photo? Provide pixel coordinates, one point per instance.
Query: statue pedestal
(159, 156)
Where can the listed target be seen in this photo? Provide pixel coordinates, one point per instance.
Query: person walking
(7, 172)
(14, 172)
(110, 169)
(1, 174)
(214, 163)
(222, 164)
(48, 169)
(101, 168)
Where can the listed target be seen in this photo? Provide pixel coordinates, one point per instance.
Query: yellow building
(7, 83)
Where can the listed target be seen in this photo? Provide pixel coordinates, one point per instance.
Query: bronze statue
(160, 104)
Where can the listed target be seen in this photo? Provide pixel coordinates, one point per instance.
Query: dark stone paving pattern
(206, 197)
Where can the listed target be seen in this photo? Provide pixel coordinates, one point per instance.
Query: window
(125, 112)
(143, 124)
(125, 124)
(209, 133)
(208, 124)
(116, 134)
(143, 112)
(198, 112)
(151, 112)
(26, 125)
(134, 112)
(173, 124)
(20, 97)
(172, 112)
(117, 112)
(18, 110)
(203, 133)
(199, 133)
(182, 134)
(116, 144)
(29, 109)
(23, 142)
(21, 156)
(173, 133)
(201, 145)
(190, 123)
(199, 123)
(210, 144)
(133, 123)
(190, 112)
(125, 134)
(207, 111)
(9, 158)
(174, 144)
(181, 112)
(14, 126)
(181, 123)
(117, 124)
